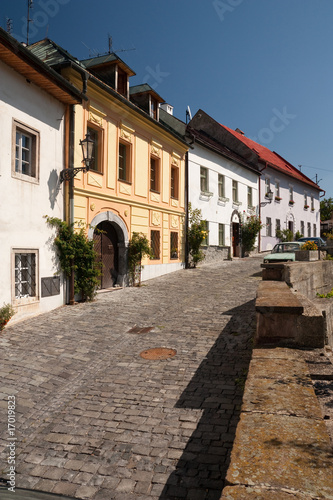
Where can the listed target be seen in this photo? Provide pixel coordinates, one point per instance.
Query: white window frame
(33, 135)
(277, 189)
(221, 235)
(204, 179)
(235, 191)
(268, 226)
(249, 197)
(221, 185)
(24, 299)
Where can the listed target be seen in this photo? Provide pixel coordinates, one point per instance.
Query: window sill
(155, 192)
(237, 203)
(125, 182)
(223, 199)
(24, 177)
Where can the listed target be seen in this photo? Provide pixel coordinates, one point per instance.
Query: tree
(326, 208)
(196, 233)
(138, 248)
(284, 235)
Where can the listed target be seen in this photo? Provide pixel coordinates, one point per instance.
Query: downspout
(71, 196)
(259, 241)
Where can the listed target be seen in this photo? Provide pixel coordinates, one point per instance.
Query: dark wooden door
(106, 246)
(235, 238)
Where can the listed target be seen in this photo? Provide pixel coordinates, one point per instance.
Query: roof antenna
(188, 115)
(9, 25)
(110, 43)
(30, 6)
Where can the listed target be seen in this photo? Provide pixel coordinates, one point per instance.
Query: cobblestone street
(95, 420)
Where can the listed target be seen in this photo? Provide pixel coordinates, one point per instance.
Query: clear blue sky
(264, 66)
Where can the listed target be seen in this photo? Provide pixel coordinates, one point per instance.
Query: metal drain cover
(158, 353)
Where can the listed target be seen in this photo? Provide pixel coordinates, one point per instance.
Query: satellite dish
(188, 114)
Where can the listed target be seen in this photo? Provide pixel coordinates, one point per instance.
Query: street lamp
(269, 196)
(87, 146)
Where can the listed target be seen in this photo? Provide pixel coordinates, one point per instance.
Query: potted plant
(291, 202)
(306, 207)
(308, 252)
(278, 198)
(6, 312)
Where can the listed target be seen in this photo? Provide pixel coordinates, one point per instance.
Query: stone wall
(214, 253)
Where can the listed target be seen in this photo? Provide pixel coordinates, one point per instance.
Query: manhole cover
(158, 353)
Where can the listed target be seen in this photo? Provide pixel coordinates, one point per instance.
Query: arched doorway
(115, 243)
(235, 234)
(106, 246)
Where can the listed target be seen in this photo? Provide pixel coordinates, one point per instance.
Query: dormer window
(145, 97)
(153, 108)
(122, 82)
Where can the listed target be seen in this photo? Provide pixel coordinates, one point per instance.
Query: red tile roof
(273, 159)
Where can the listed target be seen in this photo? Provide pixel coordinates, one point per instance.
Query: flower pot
(307, 255)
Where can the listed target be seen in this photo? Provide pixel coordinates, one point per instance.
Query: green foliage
(328, 295)
(138, 248)
(250, 229)
(284, 235)
(196, 234)
(309, 245)
(6, 312)
(326, 208)
(298, 235)
(328, 236)
(77, 252)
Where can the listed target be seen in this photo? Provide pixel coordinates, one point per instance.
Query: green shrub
(250, 229)
(6, 313)
(284, 235)
(196, 234)
(138, 248)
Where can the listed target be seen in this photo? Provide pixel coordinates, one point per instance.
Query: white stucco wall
(283, 211)
(214, 210)
(23, 203)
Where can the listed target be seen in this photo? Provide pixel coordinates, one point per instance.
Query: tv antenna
(9, 25)
(30, 6)
(188, 115)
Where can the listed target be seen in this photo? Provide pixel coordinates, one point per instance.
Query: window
(153, 108)
(122, 82)
(173, 245)
(291, 194)
(277, 225)
(268, 226)
(206, 228)
(26, 152)
(155, 244)
(249, 197)
(277, 189)
(309, 229)
(155, 175)
(124, 168)
(312, 203)
(25, 266)
(235, 191)
(305, 200)
(96, 137)
(204, 179)
(314, 230)
(221, 182)
(302, 227)
(221, 235)
(174, 183)
(267, 185)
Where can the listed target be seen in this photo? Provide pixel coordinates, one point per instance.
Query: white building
(295, 203)
(222, 184)
(35, 104)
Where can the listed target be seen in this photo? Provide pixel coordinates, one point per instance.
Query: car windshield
(285, 247)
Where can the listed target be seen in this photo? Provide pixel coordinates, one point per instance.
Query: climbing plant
(196, 233)
(76, 252)
(138, 248)
(251, 226)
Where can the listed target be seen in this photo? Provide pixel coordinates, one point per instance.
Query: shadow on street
(216, 388)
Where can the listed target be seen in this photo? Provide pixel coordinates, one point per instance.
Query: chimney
(239, 131)
(166, 107)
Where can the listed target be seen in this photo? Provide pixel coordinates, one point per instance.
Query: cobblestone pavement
(94, 420)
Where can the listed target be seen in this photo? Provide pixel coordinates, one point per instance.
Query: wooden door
(106, 246)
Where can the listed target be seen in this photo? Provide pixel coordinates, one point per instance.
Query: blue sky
(264, 66)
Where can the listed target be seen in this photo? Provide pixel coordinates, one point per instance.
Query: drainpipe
(186, 210)
(259, 241)
(71, 196)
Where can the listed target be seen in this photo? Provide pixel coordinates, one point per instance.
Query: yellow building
(136, 182)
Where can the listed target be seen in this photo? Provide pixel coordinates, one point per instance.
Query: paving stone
(93, 410)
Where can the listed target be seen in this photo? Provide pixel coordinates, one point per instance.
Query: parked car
(283, 252)
(318, 241)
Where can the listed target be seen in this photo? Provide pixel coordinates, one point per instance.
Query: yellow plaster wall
(79, 134)
(112, 134)
(165, 239)
(141, 166)
(165, 177)
(140, 220)
(80, 209)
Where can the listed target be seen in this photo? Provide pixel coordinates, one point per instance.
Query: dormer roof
(102, 62)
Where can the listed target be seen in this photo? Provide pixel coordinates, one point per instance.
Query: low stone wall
(282, 449)
(214, 253)
(287, 318)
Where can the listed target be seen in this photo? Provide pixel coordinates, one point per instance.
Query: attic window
(153, 108)
(122, 82)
